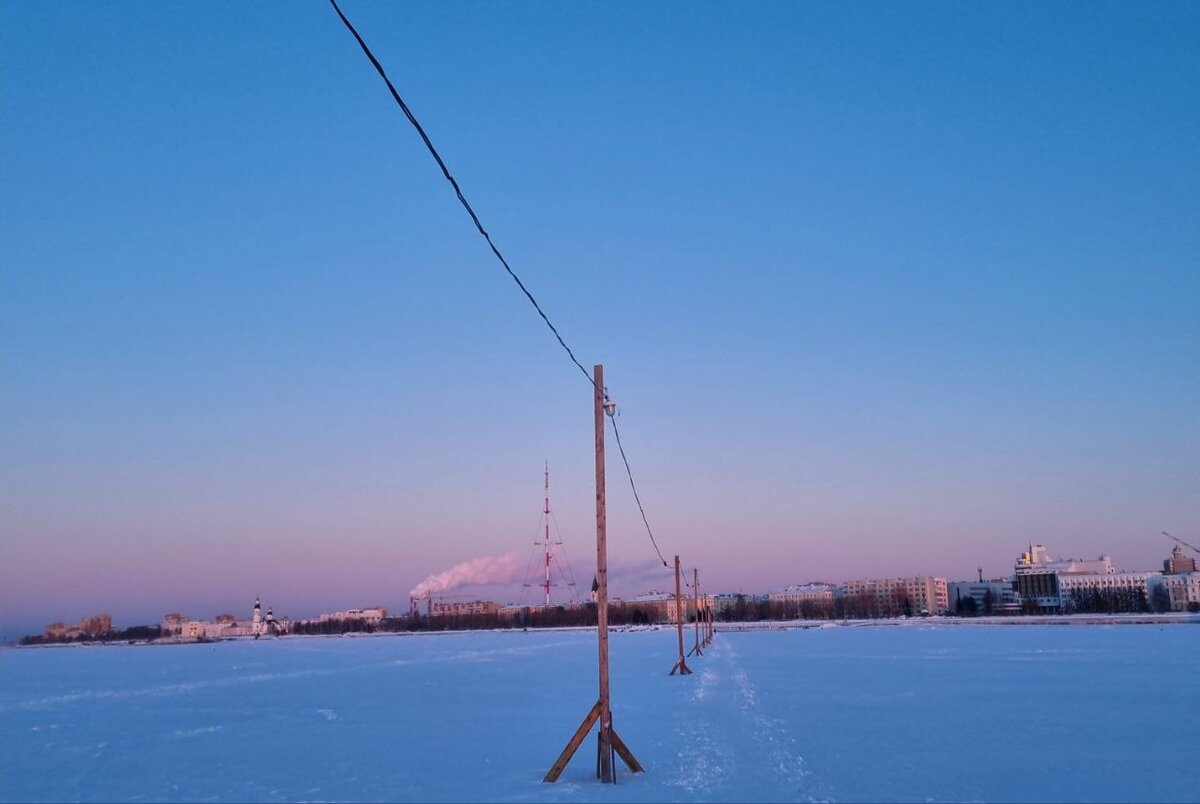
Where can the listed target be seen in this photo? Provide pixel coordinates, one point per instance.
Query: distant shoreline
(1166, 618)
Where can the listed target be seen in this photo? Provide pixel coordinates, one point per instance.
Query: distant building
(1076, 586)
(820, 593)
(662, 607)
(1037, 575)
(172, 624)
(727, 603)
(225, 626)
(996, 596)
(372, 616)
(212, 629)
(659, 607)
(885, 597)
(88, 628)
(1182, 589)
(1178, 562)
(1049, 584)
(463, 609)
(803, 601)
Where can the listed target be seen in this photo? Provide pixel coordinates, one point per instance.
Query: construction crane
(1191, 547)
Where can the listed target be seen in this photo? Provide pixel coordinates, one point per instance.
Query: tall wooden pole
(608, 740)
(696, 621)
(604, 764)
(680, 665)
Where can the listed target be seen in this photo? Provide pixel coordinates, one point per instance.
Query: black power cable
(462, 199)
(633, 486)
(457, 190)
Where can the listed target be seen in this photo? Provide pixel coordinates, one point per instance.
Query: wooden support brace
(681, 668)
(625, 753)
(561, 763)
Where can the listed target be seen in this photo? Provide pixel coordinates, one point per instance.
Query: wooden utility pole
(681, 663)
(708, 621)
(608, 741)
(696, 605)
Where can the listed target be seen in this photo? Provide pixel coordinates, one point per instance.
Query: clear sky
(880, 290)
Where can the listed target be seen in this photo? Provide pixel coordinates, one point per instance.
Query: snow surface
(921, 713)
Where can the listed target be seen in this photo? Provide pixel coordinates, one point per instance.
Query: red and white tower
(547, 543)
(546, 513)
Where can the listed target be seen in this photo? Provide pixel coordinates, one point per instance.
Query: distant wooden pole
(608, 741)
(680, 665)
(696, 621)
(707, 614)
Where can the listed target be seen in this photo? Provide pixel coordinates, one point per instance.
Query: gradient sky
(880, 290)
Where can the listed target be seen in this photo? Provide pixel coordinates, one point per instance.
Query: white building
(214, 629)
(1075, 585)
(803, 600)
(821, 593)
(225, 626)
(1182, 589)
(1037, 575)
(1064, 584)
(261, 625)
(372, 616)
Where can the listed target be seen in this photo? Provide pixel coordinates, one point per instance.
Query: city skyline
(631, 582)
(877, 292)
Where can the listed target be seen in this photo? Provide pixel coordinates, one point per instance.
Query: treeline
(554, 616)
(743, 608)
(619, 614)
(136, 633)
(858, 607)
(1112, 601)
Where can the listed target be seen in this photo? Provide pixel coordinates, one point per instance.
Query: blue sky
(880, 290)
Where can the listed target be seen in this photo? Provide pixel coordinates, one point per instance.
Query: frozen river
(915, 713)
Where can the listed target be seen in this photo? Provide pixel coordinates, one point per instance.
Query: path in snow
(731, 743)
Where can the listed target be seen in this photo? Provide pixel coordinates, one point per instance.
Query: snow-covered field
(919, 713)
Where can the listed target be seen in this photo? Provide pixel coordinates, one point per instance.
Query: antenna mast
(544, 540)
(546, 584)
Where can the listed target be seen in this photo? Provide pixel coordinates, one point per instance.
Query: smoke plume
(488, 569)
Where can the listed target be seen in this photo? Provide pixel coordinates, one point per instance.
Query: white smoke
(488, 569)
(636, 577)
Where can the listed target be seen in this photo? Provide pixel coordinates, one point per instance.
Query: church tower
(256, 621)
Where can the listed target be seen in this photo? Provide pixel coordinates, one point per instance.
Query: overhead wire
(462, 199)
(454, 183)
(632, 485)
